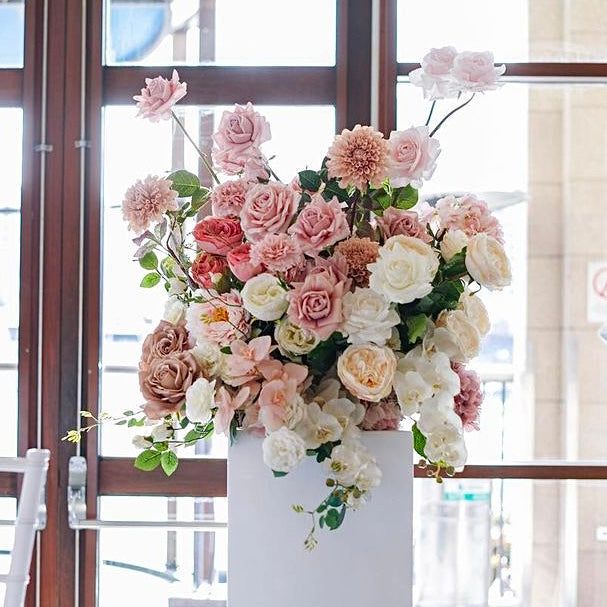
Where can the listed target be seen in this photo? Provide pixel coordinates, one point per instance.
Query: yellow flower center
(217, 315)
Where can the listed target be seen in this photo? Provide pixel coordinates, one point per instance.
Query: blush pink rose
(248, 163)
(434, 75)
(159, 96)
(227, 199)
(476, 72)
(413, 155)
(319, 225)
(277, 252)
(316, 303)
(406, 223)
(268, 209)
(205, 266)
(241, 129)
(218, 235)
(468, 214)
(239, 260)
(470, 398)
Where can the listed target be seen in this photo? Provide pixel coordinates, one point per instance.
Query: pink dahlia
(358, 253)
(277, 252)
(358, 157)
(159, 96)
(146, 201)
(470, 398)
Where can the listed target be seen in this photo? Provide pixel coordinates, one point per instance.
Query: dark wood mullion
(387, 68)
(11, 86)
(9, 482)
(226, 85)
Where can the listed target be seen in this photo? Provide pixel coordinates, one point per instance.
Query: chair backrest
(33, 467)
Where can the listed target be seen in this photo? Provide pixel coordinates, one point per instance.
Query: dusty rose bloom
(385, 415)
(358, 253)
(159, 96)
(319, 225)
(205, 266)
(407, 223)
(165, 340)
(358, 157)
(468, 214)
(164, 381)
(470, 398)
(227, 199)
(241, 129)
(146, 201)
(239, 260)
(277, 252)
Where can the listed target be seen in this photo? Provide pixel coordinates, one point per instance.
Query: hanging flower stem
(459, 107)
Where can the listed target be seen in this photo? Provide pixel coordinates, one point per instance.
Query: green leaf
(419, 441)
(150, 280)
(278, 474)
(149, 261)
(309, 180)
(333, 519)
(184, 183)
(333, 189)
(322, 357)
(416, 327)
(334, 500)
(404, 198)
(456, 265)
(148, 460)
(199, 197)
(169, 462)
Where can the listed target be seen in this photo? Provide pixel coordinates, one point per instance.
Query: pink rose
(407, 223)
(316, 303)
(268, 209)
(241, 129)
(277, 252)
(204, 266)
(255, 169)
(227, 199)
(434, 75)
(476, 72)
(319, 225)
(249, 163)
(470, 398)
(159, 96)
(239, 260)
(218, 235)
(413, 155)
(468, 214)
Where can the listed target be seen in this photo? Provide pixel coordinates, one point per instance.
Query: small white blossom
(200, 400)
(283, 450)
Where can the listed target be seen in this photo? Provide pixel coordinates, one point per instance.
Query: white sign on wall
(596, 296)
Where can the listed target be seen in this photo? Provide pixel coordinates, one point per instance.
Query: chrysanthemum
(359, 252)
(358, 157)
(145, 202)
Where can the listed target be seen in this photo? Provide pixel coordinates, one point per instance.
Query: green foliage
(169, 462)
(148, 460)
(200, 432)
(419, 441)
(184, 183)
(150, 280)
(332, 189)
(278, 474)
(416, 327)
(149, 261)
(404, 198)
(321, 359)
(334, 518)
(456, 266)
(309, 180)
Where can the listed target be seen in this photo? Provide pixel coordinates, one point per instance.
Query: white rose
(209, 356)
(318, 427)
(476, 312)
(283, 450)
(487, 262)
(177, 286)
(200, 400)
(140, 442)
(452, 243)
(174, 310)
(161, 433)
(465, 336)
(344, 465)
(368, 317)
(404, 269)
(264, 297)
(294, 340)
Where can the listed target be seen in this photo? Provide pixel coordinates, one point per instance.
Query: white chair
(33, 467)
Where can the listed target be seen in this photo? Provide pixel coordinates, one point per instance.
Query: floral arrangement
(310, 311)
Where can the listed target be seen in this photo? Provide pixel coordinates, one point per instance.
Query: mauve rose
(268, 209)
(407, 223)
(227, 199)
(319, 225)
(166, 339)
(413, 155)
(384, 415)
(164, 381)
(239, 260)
(218, 235)
(476, 72)
(159, 96)
(316, 304)
(204, 266)
(241, 129)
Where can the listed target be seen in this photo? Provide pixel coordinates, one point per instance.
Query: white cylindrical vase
(367, 562)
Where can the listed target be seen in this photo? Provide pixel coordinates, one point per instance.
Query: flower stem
(459, 107)
(431, 111)
(202, 155)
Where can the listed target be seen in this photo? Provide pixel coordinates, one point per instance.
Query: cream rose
(264, 297)
(452, 243)
(283, 450)
(200, 400)
(367, 371)
(404, 269)
(294, 340)
(476, 312)
(487, 262)
(464, 335)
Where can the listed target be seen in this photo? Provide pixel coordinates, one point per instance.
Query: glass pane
(174, 566)
(12, 20)
(536, 155)
(230, 32)
(10, 227)
(134, 148)
(515, 30)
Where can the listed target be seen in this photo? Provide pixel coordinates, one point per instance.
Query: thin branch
(459, 107)
(431, 111)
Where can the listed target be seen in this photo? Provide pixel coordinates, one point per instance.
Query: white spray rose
(209, 356)
(177, 286)
(452, 243)
(162, 432)
(139, 442)
(174, 310)
(294, 340)
(476, 312)
(200, 400)
(264, 297)
(368, 317)
(404, 269)
(487, 262)
(283, 450)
